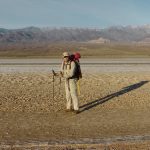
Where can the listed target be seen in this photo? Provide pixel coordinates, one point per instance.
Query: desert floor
(114, 107)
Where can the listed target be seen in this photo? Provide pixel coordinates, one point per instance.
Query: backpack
(75, 57)
(78, 73)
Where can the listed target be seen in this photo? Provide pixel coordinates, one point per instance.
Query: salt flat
(88, 65)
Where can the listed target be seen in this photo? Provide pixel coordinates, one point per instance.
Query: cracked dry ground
(111, 104)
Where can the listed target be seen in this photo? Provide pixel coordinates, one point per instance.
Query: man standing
(68, 70)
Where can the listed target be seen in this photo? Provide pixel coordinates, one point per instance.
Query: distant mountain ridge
(112, 34)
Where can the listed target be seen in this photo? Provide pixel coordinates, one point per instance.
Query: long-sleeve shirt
(68, 69)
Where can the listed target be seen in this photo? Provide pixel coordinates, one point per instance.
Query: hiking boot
(76, 111)
(68, 110)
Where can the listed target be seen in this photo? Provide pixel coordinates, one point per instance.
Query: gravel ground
(112, 104)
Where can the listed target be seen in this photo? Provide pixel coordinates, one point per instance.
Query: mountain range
(123, 34)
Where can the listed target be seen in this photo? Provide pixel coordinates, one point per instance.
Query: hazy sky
(73, 13)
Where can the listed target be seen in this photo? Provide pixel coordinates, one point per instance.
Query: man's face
(66, 58)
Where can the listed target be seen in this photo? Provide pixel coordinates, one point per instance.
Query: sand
(112, 104)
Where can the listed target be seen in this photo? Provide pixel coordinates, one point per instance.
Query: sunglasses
(66, 56)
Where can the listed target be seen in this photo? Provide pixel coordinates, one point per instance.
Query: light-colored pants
(71, 94)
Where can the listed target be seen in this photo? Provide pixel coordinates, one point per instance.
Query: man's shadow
(109, 97)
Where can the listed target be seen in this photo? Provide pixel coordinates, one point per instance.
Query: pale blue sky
(73, 13)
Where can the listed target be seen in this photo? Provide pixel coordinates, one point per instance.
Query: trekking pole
(53, 83)
(59, 84)
(61, 75)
